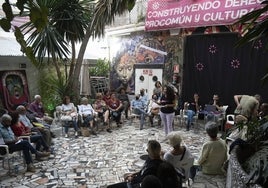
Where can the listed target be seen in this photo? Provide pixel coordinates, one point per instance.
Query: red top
(113, 103)
(20, 129)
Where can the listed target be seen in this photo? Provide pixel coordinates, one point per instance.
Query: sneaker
(76, 134)
(109, 130)
(66, 135)
(42, 154)
(40, 158)
(30, 168)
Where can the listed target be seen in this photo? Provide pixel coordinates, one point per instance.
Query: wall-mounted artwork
(14, 89)
(150, 49)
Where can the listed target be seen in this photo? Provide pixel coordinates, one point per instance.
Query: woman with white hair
(87, 113)
(180, 156)
(214, 151)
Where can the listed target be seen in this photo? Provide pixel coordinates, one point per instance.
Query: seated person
(168, 176)
(123, 97)
(217, 103)
(68, 109)
(87, 113)
(150, 167)
(263, 114)
(103, 112)
(151, 181)
(37, 108)
(180, 156)
(31, 116)
(153, 109)
(144, 97)
(14, 144)
(106, 96)
(115, 105)
(217, 108)
(191, 109)
(157, 89)
(138, 106)
(214, 152)
(247, 106)
(19, 129)
(44, 130)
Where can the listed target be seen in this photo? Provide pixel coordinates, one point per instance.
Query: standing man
(247, 106)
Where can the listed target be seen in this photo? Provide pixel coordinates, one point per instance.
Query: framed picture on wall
(14, 88)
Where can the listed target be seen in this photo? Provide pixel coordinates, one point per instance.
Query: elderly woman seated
(214, 152)
(87, 113)
(180, 156)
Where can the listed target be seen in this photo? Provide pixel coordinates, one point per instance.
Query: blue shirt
(138, 104)
(145, 99)
(6, 133)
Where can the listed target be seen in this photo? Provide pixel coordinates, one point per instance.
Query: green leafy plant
(53, 90)
(102, 68)
(256, 165)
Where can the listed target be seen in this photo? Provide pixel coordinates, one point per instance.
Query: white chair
(184, 117)
(13, 159)
(133, 116)
(58, 117)
(230, 121)
(181, 117)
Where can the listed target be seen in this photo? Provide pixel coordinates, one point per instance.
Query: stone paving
(98, 161)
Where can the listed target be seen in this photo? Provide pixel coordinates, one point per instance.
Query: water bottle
(16, 169)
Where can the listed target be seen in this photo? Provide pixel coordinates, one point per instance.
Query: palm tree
(104, 14)
(71, 18)
(257, 27)
(44, 39)
(43, 20)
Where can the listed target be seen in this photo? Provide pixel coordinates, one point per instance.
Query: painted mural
(14, 89)
(144, 48)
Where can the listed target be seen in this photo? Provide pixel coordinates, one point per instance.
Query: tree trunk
(56, 64)
(75, 81)
(72, 65)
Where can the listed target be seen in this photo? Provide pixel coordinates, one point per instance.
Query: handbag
(66, 118)
(73, 114)
(85, 132)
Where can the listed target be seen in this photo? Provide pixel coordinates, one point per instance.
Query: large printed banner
(168, 14)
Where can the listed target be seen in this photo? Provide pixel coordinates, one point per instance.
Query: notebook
(210, 108)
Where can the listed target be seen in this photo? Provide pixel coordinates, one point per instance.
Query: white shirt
(68, 107)
(185, 163)
(86, 110)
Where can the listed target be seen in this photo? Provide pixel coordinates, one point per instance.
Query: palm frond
(257, 25)
(105, 12)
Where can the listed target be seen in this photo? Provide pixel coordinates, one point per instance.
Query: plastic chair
(230, 120)
(12, 158)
